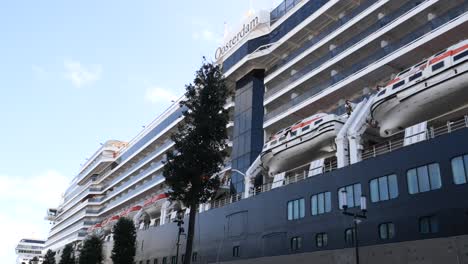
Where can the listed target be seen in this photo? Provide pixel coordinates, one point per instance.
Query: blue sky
(74, 74)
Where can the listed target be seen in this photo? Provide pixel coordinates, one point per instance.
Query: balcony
(378, 55)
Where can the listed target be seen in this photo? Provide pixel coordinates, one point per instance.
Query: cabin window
(438, 66)
(428, 225)
(461, 55)
(321, 240)
(296, 243)
(305, 128)
(381, 92)
(155, 261)
(415, 76)
(321, 203)
(398, 84)
(194, 256)
(273, 143)
(282, 138)
(424, 178)
(386, 231)
(164, 261)
(349, 236)
(384, 188)
(174, 260)
(293, 133)
(318, 122)
(460, 169)
(353, 195)
(236, 251)
(296, 209)
(147, 261)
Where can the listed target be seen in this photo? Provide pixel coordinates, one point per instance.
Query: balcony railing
(345, 46)
(323, 33)
(282, 9)
(398, 140)
(375, 57)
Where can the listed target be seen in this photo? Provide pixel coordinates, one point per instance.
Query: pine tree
(124, 249)
(34, 260)
(91, 252)
(49, 257)
(200, 144)
(68, 256)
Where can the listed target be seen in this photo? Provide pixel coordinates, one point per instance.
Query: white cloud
(24, 201)
(81, 75)
(159, 95)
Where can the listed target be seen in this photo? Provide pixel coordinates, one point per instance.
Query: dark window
(423, 179)
(415, 76)
(318, 122)
(296, 243)
(386, 231)
(141, 261)
(305, 128)
(293, 133)
(460, 169)
(194, 256)
(398, 84)
(353, 195)
(384, 188)
(183, 258)
(321, 240)
(349, 236)
(428, 225)
(155, 261)
(437, 66)
(461, 55)
(164, 260)
(282, 138)
(148, 261)
(273, 143)
(381, 92)
(173, 260)
(296, 209)
(321, 203)
(236, 251)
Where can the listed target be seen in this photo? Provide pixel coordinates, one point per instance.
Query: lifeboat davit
(428, 89)
(131, 212)
(153, 205)
(300, 143)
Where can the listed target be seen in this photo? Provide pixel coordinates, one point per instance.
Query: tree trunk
(190, 233)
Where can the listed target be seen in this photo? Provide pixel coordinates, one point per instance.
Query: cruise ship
(28, 249)
(339, 106)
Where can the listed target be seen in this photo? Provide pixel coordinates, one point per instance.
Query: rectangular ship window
(415, 76)
(398, 84)
(353, 195)
(460, 169)
(296, 209)
(428, 225)
(438, 66)
(423, 179)
(321, 203)
(461, 55)
(384, 188)
(386, 231)
(321, 240)
(305, 128)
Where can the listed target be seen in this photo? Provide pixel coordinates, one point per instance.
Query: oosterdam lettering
(246, 28)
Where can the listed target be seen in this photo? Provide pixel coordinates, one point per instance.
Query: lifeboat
(153, 205)
(109, 223)
(424, 91)
(131, 212)
(300, 143)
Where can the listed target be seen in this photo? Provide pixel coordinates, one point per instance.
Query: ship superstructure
(29, 249)
(324, 93)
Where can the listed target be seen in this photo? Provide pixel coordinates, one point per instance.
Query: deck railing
(398, 140)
